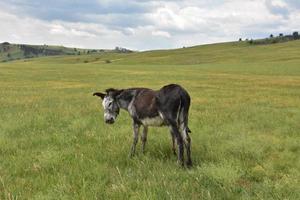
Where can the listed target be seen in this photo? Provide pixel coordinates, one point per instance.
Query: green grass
(244, 119)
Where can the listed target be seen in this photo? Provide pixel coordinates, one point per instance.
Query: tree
(271, 36)
(296, 35)
(280, 34)
(8, 55)
(240, 39)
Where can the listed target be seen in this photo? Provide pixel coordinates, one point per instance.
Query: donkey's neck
(125, 98)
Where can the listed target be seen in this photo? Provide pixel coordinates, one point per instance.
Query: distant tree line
(38, 50)
(122, 50)
(5, 46)
(93, 51)
(274, 39)
(19, 51)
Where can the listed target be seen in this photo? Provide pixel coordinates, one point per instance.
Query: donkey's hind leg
(187, 144)
(175, 131)
(173, 143)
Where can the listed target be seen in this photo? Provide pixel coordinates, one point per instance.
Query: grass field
(245, 122)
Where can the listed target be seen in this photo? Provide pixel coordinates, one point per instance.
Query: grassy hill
(244, 119)
(231, 53)
(9, 52)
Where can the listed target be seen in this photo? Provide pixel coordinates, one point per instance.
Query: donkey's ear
(117, 93)
(99, 94)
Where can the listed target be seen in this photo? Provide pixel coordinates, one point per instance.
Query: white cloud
(28, 30)
(58, 29)
(161, 33)
(162, 24)
(278, 3)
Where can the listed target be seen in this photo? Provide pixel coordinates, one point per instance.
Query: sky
(144, 24)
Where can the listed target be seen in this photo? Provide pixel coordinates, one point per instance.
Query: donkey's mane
(111, 90)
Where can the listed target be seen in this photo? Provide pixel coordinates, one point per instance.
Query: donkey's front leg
(136, 128)
(144, 138)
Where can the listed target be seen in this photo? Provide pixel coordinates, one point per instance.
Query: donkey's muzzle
(110, 121)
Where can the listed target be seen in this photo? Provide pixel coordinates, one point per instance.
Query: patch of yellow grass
(66, 84)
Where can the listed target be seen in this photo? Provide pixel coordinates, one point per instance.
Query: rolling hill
(230, 52)
(233, 53)
(10, 52)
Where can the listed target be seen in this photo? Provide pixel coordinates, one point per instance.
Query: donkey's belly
(155, 121)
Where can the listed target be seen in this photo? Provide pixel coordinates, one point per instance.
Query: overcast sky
(144, 24)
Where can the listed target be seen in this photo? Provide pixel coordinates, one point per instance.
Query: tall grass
(244, 120)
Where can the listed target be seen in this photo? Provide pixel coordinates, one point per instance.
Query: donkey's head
(110, 104)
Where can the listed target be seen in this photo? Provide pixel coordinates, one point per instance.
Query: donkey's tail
(185, 102)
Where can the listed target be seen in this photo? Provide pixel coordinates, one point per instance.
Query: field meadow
(244, 117)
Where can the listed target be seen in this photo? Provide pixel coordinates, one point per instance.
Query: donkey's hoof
(180, 163)
(143, 151)
(189, 164)
(174, 152)
(131, 155)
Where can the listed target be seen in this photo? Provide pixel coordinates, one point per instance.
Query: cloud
(295, 4)
(161, 33)
(69, 10)
(278, 7)
(144, 24)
